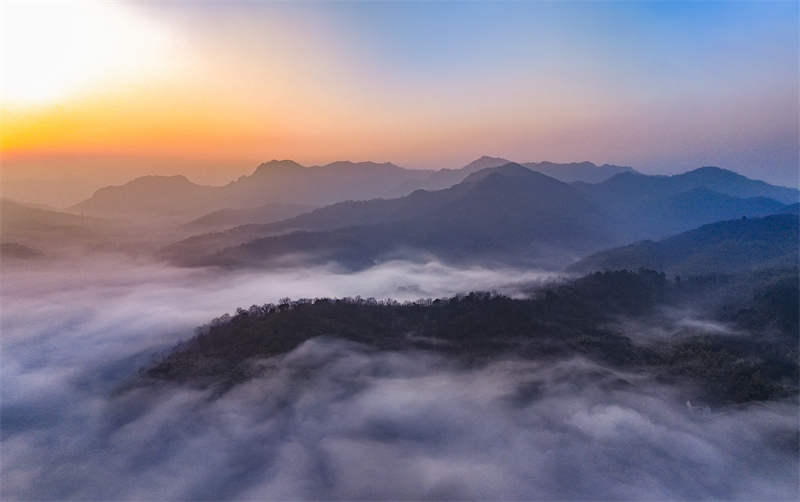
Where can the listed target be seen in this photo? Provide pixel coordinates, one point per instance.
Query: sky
(114, 90)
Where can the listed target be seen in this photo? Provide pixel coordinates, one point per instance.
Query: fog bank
(334, 420)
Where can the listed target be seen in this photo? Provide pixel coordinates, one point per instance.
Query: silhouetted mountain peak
(712, 171)
(639, 186)
(277, 165)
(483, 163)
(346, 164)
(160, 181)
(509, 170)
(577, 171)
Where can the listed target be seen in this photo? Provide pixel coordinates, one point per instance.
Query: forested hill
(563, 320)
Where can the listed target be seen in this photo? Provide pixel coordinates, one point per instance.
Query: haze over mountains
(495, 214)
(725, 247)
(286, 181)
(506, 213)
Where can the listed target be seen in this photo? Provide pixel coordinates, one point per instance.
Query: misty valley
(525, 331)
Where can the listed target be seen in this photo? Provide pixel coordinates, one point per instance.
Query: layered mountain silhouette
(502, 214)
(287, 182)
(284, 181)
(227, 218)
(649, 207)
(635, 187)
(29, 232)
(575, 171)
(150, 196)
(725, 247)
(578, 171)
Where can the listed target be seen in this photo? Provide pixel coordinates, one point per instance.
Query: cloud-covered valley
(338, 420)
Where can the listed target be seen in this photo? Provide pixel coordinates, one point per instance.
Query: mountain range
(287, 182)
(272, 182)
(506, 214)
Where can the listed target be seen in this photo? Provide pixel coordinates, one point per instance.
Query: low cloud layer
(334, 420)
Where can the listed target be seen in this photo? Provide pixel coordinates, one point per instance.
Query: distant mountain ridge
(148, 195)
(575, 171)
(578, 171)
(653, 207)
(500, 213)
(634, 186)
(525, 216)
(272, 182)
(288, 182)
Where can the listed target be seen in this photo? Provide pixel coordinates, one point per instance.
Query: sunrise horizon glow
(115, 90)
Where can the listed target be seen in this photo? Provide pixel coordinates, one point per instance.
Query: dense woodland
(754, 358)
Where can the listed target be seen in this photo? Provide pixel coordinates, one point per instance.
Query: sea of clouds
(335, 420)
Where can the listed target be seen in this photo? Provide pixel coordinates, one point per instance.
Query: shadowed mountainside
(635, 187)
(725, 247)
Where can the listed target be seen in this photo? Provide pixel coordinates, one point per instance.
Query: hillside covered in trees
(739, 344)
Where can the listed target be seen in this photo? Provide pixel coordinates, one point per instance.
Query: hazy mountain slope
(14, 250)
(513, 207)
(58, 194)
(725, 247)
(150, 196)
(272, 182)
(505, 213)
(527, 218)
(445, 178)
(289, 182)
(17, 220)
(652, 207)
(671, 214)
(228, 218)
(43, 230)
(335, 216)
(634, 187)
(60, 234)
(577, 171)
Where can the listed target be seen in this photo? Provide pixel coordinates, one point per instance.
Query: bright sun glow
(53, 49)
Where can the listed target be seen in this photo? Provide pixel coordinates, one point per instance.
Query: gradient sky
(213, 89)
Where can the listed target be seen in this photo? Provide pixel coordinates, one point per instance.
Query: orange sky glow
(114, 90)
